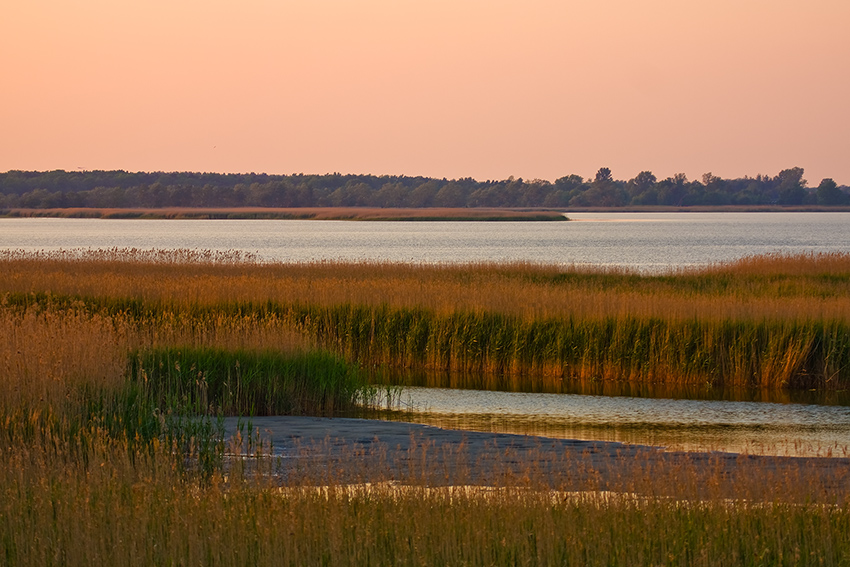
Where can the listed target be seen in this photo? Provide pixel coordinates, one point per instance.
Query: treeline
(121, 189)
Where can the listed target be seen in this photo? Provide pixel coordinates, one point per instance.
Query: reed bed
(211, 381)
(66, 370)
(765, 322)
(762, 354)
(773, 287)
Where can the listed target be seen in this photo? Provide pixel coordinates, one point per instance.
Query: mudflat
(373, 450)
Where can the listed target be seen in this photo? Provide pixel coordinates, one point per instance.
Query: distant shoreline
(306, 213)
(380, 214)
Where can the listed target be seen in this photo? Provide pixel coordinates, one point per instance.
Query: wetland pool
(758, 428)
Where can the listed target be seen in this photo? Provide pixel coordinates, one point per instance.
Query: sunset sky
(443, 88)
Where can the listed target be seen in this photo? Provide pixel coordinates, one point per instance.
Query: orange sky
(444, 88)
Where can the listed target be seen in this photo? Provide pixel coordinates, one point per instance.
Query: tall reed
(211, 381)
(763, 322)
(139, 377)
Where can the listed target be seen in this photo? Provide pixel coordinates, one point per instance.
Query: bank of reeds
(764, 322)
(214, 381)
(775, 287)
(764, 354)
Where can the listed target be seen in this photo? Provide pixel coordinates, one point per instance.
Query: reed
(65, 370)
(768, 322)
(763, 353)
(214, 381)
(779, 287)
(127, 507)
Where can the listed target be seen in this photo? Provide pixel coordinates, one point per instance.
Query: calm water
(752, 427)
(643, 241)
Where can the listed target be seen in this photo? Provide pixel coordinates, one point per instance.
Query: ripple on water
(737, 426)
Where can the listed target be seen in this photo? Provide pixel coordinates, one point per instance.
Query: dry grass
(51, 361)
(774, 287)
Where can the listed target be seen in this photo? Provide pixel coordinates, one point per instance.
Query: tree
(569, 182)
(640, 187)
(604, 191)
(423, 195)
(672, 190)
(830, 194)
(392, 195)
(791, 186)
(451, 195)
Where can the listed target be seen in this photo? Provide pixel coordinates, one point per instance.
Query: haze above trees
(121, 189)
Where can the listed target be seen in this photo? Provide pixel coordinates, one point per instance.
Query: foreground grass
(134, 507)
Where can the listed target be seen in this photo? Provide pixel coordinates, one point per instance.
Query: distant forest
(121, 189)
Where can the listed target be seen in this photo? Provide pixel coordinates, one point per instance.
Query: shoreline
(306, 213)
(386, 214)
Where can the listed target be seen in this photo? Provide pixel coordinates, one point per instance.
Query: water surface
(644, 241)
(681, 424)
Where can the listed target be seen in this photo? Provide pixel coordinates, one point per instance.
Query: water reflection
(754, 427)
(549, 385)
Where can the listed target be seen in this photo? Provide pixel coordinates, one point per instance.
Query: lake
(648, 242)
(642, 241)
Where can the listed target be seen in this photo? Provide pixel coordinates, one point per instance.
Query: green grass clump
(241, 382)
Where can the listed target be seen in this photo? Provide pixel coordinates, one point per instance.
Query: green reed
(215, 381)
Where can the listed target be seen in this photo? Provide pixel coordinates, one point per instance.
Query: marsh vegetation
(117, 364)
(766, 322)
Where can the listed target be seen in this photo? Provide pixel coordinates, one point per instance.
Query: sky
(487, 89)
